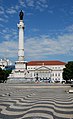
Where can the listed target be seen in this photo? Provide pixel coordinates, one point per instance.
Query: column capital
(21, 24)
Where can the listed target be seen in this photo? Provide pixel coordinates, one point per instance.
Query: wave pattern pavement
(35, 103)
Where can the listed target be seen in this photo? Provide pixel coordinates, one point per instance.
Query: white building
(5, 62)
(46, 70)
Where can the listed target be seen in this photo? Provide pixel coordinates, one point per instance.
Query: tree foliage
(68, 71)
(3, 75)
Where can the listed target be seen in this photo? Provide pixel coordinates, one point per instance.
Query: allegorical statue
(21, 15)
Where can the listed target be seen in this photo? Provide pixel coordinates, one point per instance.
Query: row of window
(56, 79)
(49, 68)
(54, 74)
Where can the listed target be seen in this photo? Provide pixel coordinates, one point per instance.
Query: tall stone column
(21, 41)
(21, 38)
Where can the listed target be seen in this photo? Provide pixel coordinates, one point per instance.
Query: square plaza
(35, 101)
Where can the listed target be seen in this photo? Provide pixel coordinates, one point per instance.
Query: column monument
(20, 64)
(20, 71)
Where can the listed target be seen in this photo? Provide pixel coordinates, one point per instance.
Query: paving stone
(25, 101)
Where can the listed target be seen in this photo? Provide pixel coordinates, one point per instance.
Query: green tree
(4, 74)
(1, 75)
(68, 71)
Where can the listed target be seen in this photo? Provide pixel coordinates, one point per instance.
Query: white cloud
(30, 3)
(36, 4)
(40, 47)
(9, 46)
(17, 7)
(22, 3)
(8, 34)
(3, 16)
(11, 10)
(8, 49)
(41, 5)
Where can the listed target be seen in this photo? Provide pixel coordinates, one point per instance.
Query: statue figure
(21, 15)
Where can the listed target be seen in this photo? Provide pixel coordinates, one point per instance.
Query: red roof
(38, 63)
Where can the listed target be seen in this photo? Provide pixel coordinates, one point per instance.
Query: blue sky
(48, 29)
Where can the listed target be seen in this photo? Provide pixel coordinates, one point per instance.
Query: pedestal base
(20, 65)
(20, 73)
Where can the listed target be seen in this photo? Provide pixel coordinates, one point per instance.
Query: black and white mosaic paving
(23, 102)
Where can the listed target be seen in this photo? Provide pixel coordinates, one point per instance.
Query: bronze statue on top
(21, 15)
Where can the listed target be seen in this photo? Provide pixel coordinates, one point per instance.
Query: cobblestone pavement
(19, 101)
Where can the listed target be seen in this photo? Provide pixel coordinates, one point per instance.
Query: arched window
(56, 74)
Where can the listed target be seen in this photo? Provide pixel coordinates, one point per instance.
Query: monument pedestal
(20, 65)
(20, 70)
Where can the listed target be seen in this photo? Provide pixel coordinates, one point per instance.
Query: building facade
(46, 70)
